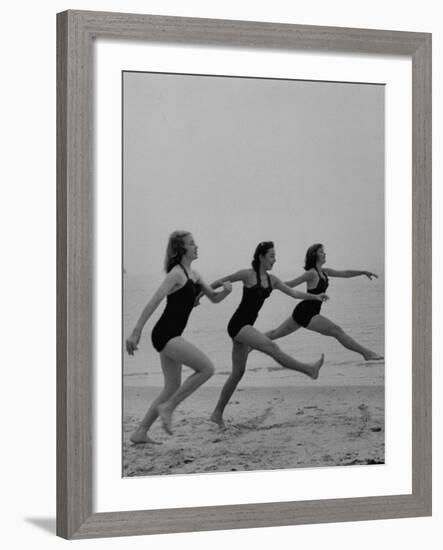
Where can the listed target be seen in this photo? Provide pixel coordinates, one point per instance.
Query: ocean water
(356, 304)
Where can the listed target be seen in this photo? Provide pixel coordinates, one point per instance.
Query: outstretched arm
(170, 281)
(304, 278)
(348, 273)
(280, 285)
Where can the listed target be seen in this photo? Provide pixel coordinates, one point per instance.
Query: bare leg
(328, 328)
(172, 371)
(239, 358)
(287, 327)
(182, 351)
(252, 337)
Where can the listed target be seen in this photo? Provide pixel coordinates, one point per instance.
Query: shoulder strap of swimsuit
(258, 277)
(324, 278)
(186, 273)
(269, 281)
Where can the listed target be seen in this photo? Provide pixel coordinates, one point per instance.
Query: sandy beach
(267, 428)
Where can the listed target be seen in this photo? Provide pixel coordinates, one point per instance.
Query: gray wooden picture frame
(76, 32)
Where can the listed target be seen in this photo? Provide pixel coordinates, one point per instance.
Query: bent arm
(232, 278)
(348, 273)
(214, 296)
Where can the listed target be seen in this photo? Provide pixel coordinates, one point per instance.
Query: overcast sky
(239, 160)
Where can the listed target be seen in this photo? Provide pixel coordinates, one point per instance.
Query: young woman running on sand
(258, 285)
(307, 313)
(180, 287)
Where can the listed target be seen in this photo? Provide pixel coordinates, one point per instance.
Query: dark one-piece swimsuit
(307, 309)
(173, 320)
(252, 300)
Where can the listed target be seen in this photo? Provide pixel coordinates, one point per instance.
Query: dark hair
(261, 250)
(311, 256)
(175, 249)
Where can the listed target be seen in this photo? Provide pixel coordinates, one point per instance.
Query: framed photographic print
(244, 280)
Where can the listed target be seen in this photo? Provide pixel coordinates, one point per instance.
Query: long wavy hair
(261, 250)
(176, 249)
(311, 256)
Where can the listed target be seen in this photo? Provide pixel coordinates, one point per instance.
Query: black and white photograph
(220, 242)
(253, 274)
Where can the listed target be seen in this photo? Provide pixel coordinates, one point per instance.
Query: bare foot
(140, 436)
(218, 419)
(317, 366)
(165, 415)
(373, 357)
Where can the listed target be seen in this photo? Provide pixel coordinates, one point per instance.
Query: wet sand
(267, 428)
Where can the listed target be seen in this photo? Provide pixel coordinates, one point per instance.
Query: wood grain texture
(422, 271)
(211, 518)
(62, 364)
(247, 33)
(76, 31)
(74, 293)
